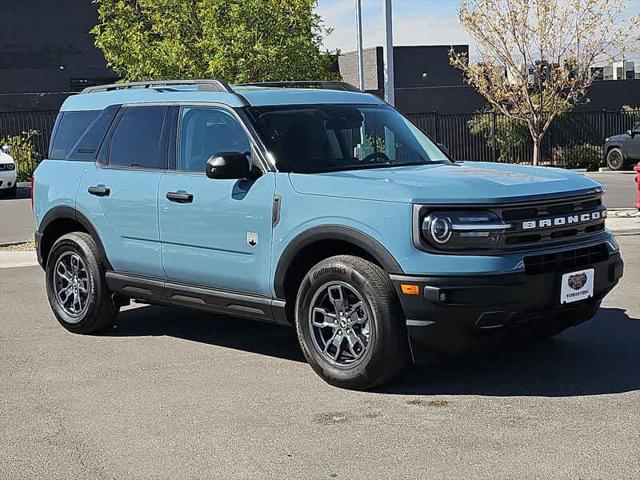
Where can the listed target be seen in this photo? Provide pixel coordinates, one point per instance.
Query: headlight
(7, 166)
(463, 230)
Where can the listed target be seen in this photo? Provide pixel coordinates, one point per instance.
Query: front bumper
(456, 313)
(7, 179)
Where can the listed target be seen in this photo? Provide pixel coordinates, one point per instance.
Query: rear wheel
(350, 324)
(615, 159)
(76, 286)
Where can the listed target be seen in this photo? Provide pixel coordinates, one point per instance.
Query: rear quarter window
(78, 135)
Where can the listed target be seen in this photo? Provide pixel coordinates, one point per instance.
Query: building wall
(443, 88)
(44, 44)
(373, 72)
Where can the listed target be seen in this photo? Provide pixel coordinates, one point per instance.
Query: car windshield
(324, 138)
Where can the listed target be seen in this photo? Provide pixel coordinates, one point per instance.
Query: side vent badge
(252, 239)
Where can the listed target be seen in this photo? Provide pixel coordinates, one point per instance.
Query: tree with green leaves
(233, 40)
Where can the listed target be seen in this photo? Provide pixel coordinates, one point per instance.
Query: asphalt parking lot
(174, 394)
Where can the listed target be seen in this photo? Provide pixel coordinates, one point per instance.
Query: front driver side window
(205, 132)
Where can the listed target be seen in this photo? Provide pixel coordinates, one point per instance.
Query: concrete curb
(18, 259)
(12, 243)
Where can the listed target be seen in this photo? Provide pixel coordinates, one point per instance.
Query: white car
(7, 172)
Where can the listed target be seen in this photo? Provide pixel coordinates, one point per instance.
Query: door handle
(180, 197)
(99, 191)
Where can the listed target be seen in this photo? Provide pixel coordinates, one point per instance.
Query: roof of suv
(258, 96)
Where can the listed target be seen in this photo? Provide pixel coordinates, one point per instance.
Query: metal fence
(573, 140)
(36, 127)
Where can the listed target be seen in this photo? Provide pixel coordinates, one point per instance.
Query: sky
(416, 22)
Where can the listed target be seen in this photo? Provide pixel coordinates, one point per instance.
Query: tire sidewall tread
(101, 311)
(387, 355)
(619, 151)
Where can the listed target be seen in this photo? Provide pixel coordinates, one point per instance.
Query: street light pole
(389, 84)
(359, 40)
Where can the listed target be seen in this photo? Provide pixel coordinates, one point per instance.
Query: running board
(164, 292)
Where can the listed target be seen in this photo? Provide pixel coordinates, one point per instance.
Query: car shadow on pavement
(230, 332)
(601, 356)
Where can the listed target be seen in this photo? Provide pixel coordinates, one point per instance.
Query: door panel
(204, 242)
(126, 219)
(634, 144)
(214, 233)
(121, 197)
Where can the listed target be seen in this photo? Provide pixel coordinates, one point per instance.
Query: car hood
(4, 158)
(468, 182)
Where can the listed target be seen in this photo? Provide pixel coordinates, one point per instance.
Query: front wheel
(350, 324)
(76, 286)
(615, 159)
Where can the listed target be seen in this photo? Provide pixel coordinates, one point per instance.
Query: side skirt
(163, 292)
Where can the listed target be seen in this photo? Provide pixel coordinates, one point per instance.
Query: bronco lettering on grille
(560, 221)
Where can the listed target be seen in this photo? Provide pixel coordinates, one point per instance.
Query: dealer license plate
(576, 286)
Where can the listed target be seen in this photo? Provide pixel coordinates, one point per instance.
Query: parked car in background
(325, 209)
(8, 184)
(623, 150)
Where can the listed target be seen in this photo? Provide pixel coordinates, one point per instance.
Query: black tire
(100, 311)
(387, 352)
(615, 159)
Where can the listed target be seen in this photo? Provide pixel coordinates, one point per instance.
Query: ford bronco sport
(324, 208)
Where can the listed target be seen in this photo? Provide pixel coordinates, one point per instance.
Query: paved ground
(172, 394)
(620, 186)
(16, 219)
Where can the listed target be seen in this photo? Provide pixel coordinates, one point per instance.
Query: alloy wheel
(615, 160)
(341, 324)
(71, 285)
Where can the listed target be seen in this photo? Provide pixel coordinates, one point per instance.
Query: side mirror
(229, 166)
(6, 148)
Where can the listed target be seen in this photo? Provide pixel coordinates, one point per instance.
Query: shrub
(509, 137)
(23, 152)
(580, 156)
(632, 112)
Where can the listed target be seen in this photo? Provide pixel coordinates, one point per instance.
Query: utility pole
(359, 40)
(389, 84)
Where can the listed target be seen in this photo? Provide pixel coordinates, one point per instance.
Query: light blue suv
(314, 205)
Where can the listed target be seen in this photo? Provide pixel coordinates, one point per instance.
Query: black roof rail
(206, 85)
(322, 84)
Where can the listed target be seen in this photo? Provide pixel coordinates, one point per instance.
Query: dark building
(424, 78)
(46, 48)
(426, 82)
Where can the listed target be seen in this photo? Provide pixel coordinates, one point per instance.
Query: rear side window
(86, 148)
(137, 140)
(70, 126)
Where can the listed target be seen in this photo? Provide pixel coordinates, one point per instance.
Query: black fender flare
(65, 212)
(332, 232)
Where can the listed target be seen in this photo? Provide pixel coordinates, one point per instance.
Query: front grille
(559, 221)
(568, 259)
